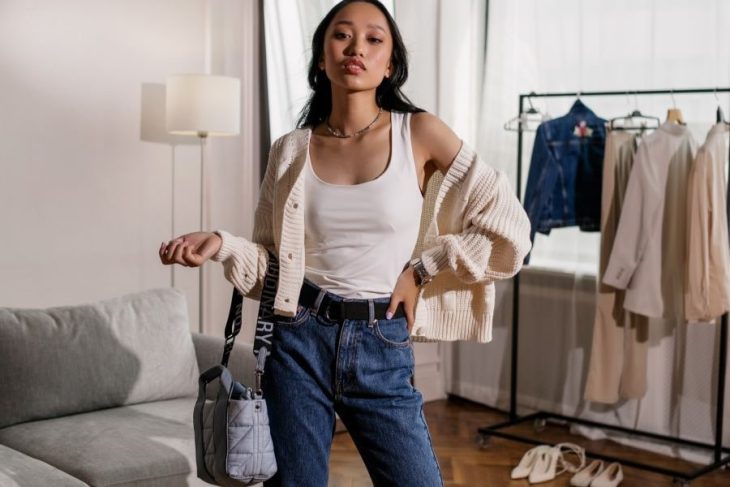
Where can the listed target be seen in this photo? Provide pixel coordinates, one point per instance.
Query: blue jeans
(360, 370)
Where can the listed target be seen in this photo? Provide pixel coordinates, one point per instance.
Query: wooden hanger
(674, 114)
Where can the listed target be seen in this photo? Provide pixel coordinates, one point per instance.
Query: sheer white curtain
(581, 45)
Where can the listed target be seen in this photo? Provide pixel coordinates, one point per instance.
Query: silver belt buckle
(329, 321)
(327, 310)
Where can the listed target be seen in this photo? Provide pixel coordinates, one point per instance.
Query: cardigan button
(296, 205)
(419, 331)
(286, 300)
(289, 255)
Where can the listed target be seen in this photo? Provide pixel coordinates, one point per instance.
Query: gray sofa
(103, 394)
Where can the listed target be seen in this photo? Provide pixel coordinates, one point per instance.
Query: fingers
(189, 250)
(408, 306)
(178, 252)
(394, 301)
(405, 292)
(191, 259)
(166, 250)
(172, 252)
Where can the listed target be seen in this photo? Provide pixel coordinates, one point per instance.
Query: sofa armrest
(241, 362)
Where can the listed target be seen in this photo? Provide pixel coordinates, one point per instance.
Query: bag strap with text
(264, 323)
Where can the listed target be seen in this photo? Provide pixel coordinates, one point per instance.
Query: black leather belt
(344, 310)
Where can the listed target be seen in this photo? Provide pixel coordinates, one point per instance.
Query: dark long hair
(387, 95)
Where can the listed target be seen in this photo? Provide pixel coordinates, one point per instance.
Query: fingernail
(388, 315)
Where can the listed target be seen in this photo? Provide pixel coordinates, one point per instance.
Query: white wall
(87, 180)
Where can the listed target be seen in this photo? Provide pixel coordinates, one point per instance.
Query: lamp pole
(202, 137)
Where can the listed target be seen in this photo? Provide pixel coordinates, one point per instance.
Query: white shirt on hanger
(648, 258)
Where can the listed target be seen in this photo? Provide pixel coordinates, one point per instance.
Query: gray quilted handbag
(233, 433)
(233, 444)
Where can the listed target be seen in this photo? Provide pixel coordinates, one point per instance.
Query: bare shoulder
(435, 139)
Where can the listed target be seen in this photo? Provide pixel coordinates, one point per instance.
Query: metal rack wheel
(539, 424)
(482, 441)
(680, 482)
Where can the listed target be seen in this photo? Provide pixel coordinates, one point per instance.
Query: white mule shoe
(552, 463)
(527, 462)
(611, 477)
(545, 466)
(584, 477)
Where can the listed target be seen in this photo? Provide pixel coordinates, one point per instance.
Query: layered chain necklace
(337, 133)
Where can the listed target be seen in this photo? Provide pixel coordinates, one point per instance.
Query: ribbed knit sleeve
(495, 232)
(245, 261)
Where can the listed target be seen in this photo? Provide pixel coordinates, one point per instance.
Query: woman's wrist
(223, 250)
(420, 276)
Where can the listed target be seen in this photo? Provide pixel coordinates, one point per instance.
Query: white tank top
(357, 238)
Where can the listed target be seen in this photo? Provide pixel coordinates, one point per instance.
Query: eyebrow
(349, 22)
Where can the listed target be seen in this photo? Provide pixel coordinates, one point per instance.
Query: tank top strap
(402, 148)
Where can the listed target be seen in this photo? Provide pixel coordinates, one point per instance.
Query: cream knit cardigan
(479, 234)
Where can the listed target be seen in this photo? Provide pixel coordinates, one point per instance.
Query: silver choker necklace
(337, 133)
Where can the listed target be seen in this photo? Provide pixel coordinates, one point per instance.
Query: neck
(353, 111)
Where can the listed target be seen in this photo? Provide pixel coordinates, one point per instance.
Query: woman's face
(357, 47)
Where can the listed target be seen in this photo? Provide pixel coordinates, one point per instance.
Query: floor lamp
(203, 105)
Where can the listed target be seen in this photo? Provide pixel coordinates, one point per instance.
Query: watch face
(423, 276)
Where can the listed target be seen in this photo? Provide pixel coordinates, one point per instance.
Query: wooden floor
(453, 424)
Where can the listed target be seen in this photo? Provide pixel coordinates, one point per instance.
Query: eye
(340, 35)
(378, 41)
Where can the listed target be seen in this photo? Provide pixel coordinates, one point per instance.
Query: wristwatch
(422, 275)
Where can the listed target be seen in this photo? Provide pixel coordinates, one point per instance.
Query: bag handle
(226, 384)
(210, 375)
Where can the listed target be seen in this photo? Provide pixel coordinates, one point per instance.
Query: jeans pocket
(299, 319)
(393, 333)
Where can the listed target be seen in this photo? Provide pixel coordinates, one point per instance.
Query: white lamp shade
(203, 104)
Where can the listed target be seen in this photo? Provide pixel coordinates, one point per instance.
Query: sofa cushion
(20, 470)
(143, 444)
(64, 360)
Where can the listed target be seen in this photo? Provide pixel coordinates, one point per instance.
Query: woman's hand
(406, 291)
(191, 249)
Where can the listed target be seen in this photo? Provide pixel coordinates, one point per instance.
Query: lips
(353, 63)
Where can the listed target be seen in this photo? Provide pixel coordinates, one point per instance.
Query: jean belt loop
(318, 301)
(371, 313)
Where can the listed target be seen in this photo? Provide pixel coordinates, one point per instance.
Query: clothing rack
(540, 418)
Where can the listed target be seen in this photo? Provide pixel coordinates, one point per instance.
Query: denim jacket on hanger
(565, 176)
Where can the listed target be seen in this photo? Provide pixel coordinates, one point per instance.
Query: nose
(355, 47)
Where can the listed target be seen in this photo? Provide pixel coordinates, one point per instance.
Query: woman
(340, 206)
